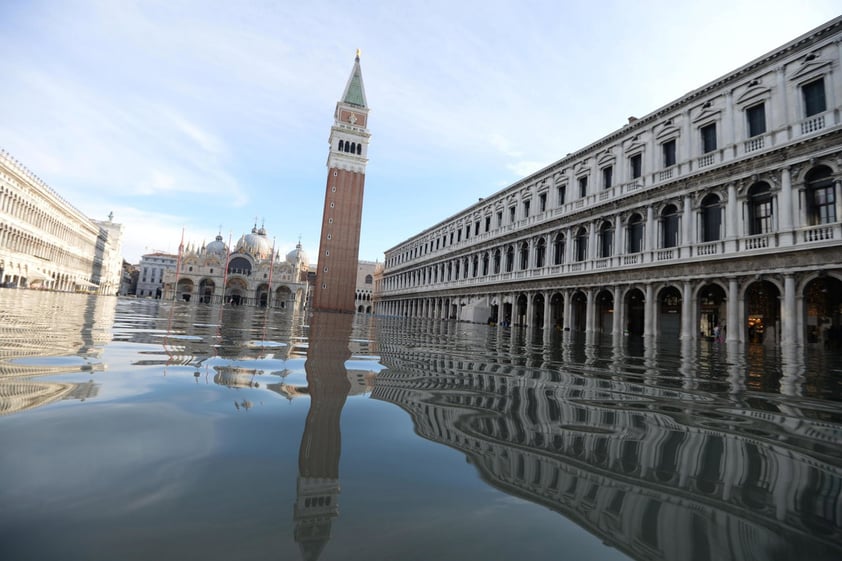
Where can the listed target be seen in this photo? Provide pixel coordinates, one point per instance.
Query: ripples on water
(144, 429)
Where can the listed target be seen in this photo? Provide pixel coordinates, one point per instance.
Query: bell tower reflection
(318, 489)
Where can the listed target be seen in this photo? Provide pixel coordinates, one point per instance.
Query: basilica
(251, 273)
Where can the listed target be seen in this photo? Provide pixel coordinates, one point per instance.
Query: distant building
(717, 215)
(250, 274)
(150, 282)
(342, 216)
(46, 243)
(365, 287)
(128, 280)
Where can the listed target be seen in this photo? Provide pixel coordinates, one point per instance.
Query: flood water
(140, 429)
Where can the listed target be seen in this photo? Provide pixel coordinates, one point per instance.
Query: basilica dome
(256, 244)
(217, 247)
(295, 254)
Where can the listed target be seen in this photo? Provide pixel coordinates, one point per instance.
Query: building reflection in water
(69, 332)
(317, 498)
(657, 470)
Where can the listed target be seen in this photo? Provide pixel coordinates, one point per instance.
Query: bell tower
(339, 245)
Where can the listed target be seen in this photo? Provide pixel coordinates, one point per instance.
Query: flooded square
(147, 429)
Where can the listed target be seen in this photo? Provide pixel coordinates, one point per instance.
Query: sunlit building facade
(716, 215)
(252, 273)
(48, 244)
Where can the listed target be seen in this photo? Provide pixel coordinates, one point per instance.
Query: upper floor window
(581, 244)
(636, 165)
(607, 176)
(540, 253)
(499, 218)
(583, 186)
(558, 249)
(510, 259)
(756, 117)
(711, 218)
(524, 255)
(814, 100)
(476, 227)
(542, 201)
(669, 226)
(635, 233)
(606, 239)
(820, 196)
(562, 194)
(496, 261)
(668, 148)
(759, 209)
(526, 204)
(512, 215)
(369, 279)
(487, 223)
(708, 133)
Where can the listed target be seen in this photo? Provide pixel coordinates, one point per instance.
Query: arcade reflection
(709, 453)
(666, 449)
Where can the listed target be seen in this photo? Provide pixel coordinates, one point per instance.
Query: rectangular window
(451, 238)
(487, 223)
(467, 231)
(708, 133)
(562, 194)
(499, 218)
(511, 215)
(583, 186)
(636, 165)
(814, 100)
(542, 201)
(669, 153)
(476, 227)
(607, 176)
(526, 204)
(756, 117)
(459, 235)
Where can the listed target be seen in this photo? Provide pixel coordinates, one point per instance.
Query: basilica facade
(251, 273)
(716, 215)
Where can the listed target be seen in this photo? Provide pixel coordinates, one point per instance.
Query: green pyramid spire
(354, 90)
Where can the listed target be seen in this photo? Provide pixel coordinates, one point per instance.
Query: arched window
(359, 149)
(711, 218)
(558, 249)
(606, 239)
(540, 252)
(496, 261)
(820, 196)
(759, 209)
(341, 145)
(475, 269)
(669, 226)
(510, 259)
(635, 233)
(524, 255)
(484, 263)
(369, 279)
(581, 244)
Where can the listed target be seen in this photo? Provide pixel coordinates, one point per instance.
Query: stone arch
(762, 320)
(184, 289)
(635, 304)
(822, 297)
(605, 311)
(669, 312)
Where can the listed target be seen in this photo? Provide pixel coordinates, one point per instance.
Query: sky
(211, 117)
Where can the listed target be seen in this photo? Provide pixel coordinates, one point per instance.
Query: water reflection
(657, 453)
(662, 450)
(47, 334)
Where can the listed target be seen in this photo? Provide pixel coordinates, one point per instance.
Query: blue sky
(210, 115)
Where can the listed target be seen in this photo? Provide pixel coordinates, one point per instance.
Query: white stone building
(718, 213)
(365, 287)
(153, 266)
(48, 244)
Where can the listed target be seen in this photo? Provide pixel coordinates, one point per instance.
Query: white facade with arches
(719, 213)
